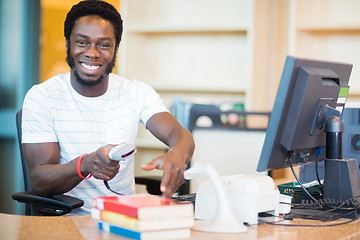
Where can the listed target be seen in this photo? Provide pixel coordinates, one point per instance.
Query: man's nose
(92, 51)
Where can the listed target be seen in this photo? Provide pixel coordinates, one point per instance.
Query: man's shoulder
(119, 80)
(125, 83)
(57, 81)
(50, 86)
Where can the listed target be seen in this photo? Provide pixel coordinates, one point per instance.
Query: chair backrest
(27, 183)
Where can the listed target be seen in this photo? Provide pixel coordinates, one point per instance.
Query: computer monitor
(311, 95)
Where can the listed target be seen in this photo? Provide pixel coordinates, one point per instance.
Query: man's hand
(173, 168)
(181, 143)
(99, 164)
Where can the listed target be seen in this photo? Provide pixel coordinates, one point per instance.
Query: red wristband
(78, 167)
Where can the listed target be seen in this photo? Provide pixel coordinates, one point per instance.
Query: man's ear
(66, 45)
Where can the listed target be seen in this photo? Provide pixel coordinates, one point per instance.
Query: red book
(145, 206)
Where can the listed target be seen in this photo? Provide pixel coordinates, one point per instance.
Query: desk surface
(84, 227)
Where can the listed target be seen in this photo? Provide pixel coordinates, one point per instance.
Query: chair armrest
(54, 205)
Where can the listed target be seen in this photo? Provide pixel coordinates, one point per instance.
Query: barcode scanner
(120, 153)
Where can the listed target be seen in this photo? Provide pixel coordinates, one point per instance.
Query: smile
(90, 67)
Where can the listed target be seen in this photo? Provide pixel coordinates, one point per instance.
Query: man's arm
(167, 129)
(48, 177)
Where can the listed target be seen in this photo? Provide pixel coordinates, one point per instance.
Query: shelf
(198, 50)
(186, 29)
(330, 29)
(180, 89)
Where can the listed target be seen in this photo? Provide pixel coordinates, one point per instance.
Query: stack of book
(144, 216)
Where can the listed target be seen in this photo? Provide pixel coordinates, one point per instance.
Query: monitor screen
(309, 92)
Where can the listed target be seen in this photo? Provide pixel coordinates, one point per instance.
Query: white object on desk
(284, 204)
(223, 220)
(248, 195)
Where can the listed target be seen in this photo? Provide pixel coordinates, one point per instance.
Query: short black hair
(94, 7)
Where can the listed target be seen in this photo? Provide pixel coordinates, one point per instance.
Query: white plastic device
(248, 196)
(122, 151)
(224, 220)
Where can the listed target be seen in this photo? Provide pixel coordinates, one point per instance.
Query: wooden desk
(84, 227)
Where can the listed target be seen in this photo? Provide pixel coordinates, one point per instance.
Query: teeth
(89, 66)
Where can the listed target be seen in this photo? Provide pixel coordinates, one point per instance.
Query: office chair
(35, 204)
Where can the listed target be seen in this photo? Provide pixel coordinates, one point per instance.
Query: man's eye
(104, 45)
(81, 43)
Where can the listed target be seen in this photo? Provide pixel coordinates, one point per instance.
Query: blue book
(151, 235)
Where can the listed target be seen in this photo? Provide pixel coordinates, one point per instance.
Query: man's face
(91, 51)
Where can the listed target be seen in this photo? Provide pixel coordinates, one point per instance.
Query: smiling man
(71, 121)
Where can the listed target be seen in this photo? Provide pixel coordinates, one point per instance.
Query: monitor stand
(341, 176)
(341, 180)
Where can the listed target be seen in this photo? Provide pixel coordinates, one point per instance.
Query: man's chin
(89, 82)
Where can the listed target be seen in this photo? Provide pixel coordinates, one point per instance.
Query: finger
(169, 190)
(164, 186)
(173, 180)
(105, 170)
(109, 146)
(154, 164)
(106, 175)
(113, 163)
(103, 166)
(106, 151)
(101, 176)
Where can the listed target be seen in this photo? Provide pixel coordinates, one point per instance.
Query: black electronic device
(351, 139)
(55, 205)
(305, 125)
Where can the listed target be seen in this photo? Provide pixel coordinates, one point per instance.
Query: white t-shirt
(54, 112)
